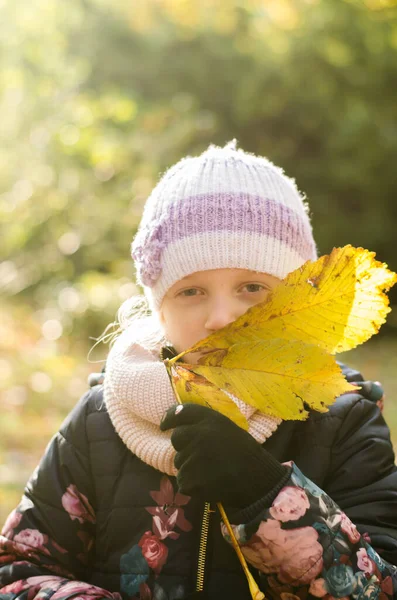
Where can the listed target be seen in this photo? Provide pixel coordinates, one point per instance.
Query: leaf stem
(253, 586)
(168, 365)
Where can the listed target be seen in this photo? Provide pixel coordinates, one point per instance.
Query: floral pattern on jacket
(150, 554)
(140, 566)
(29, 549)
(306, 546)
(303, 545)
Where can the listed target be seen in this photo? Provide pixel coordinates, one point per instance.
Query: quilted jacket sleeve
(46, 542)
(306, 543)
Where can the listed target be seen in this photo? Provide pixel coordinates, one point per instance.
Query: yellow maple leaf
(336, 302)
(277, 356)
(277, 377)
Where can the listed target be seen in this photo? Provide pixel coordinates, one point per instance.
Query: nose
(220, 314)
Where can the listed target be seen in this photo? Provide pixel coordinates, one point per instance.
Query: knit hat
(223, 209)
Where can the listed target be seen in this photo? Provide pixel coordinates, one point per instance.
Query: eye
(189, 292)
(253, 288)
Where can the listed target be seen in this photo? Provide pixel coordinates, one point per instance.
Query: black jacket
(91, 504)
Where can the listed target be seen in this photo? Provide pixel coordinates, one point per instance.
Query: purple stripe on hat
(236, 212)
(232, 212)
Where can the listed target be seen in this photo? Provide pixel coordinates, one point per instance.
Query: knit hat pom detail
(147, 255)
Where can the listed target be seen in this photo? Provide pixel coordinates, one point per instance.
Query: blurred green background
(98, 97)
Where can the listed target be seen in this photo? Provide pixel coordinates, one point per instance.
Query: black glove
(372, 390)
(218, 461)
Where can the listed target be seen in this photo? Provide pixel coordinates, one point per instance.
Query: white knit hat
(223, 209)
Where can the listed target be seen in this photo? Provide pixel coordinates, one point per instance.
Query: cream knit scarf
(138, 392)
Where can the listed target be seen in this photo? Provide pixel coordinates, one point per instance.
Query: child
(123, 503)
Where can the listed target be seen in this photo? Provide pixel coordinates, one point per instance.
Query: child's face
(206, 301)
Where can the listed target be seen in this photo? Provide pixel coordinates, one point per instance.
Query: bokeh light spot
(69, 242)
(69, 299)
(52, 329)
(40, 382)
(22, 190)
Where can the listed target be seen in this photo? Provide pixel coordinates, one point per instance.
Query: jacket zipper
(205, 524)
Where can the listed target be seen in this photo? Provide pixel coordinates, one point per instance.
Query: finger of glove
(371, 390)
(184, 457)
(187, 487)
(182, 436)
(184, 414)
(191, 478)
(350, 374)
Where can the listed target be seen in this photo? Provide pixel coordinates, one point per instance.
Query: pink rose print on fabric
(83, 591)
(77, 505)
(33, 539)
(11, 523)
(290, 504)
(14, 588)
(154, 551)
(364, 562)
(293, 554)
(317, 588)
(349, 529)
(47, 582)
(169, 512)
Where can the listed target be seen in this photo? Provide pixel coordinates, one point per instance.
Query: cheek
(182, 328)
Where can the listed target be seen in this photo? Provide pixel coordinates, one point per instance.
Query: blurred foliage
(98, 97)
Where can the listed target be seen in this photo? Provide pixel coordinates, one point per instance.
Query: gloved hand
(372, 390)
(218, 461)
